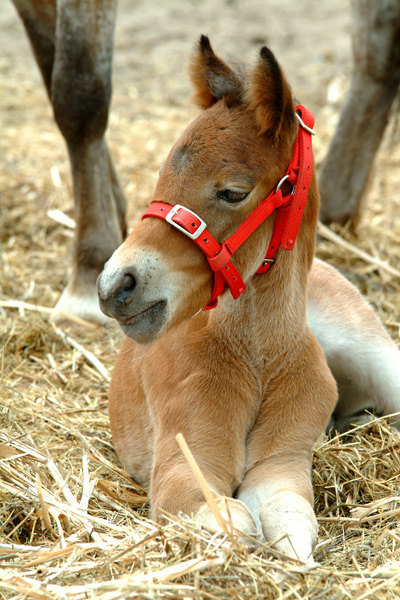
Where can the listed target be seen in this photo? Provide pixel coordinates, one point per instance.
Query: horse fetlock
(91, 259)
(288, 521)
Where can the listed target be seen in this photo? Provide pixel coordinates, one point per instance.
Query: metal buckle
(268, 261)
(304, 126)
(174, 210)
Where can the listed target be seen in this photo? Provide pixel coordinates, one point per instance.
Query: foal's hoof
(289, 521)
(236, 517)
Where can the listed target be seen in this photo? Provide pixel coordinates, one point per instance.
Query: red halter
(289, 211)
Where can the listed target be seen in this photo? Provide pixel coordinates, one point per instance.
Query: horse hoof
(235, 515)
(76, 307)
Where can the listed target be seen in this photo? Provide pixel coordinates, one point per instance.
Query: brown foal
(246, 383)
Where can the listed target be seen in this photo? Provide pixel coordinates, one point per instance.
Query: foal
(246, 383)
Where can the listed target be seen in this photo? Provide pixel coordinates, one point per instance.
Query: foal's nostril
(127, 287)
(117, 289)
(128, 282)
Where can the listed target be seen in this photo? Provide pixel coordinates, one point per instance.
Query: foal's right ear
(212, 78)
(270, 97)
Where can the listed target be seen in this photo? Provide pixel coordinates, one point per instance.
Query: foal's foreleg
(175, 490)
(214, 411)
(277, 485)
(131, 424)
(279, 495)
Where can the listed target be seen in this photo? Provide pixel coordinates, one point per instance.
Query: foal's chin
(148, 324)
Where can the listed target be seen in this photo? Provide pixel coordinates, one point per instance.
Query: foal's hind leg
(362, 357)
(73, 43)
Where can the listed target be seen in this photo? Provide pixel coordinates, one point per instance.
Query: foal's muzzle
(117, 291)
(136, 297)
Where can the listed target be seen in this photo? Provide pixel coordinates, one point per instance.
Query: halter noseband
(289, 211)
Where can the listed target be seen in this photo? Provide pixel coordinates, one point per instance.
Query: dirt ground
(53, 395)
(151, 101)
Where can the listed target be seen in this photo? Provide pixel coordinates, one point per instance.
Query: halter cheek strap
(218, 256)
(289, 211)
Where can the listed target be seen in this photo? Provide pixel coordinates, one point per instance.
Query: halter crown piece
(289, 211)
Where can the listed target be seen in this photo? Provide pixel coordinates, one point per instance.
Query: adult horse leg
(73, 44)
(375, 80)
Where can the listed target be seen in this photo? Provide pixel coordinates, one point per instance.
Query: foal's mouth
(156, 306)
(144, 325)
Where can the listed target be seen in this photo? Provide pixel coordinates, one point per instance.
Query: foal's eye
(231, 196)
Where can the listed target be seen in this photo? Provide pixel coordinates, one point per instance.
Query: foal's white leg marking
(283, 517)
(254, 498)
(288, 514)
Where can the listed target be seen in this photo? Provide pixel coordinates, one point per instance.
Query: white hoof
(235, 514)
(289, 521)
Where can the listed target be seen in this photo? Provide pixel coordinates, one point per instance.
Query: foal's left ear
(212, 78)
(269, 96)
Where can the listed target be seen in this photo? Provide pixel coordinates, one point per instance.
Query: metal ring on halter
(304, 126)
(278, 187)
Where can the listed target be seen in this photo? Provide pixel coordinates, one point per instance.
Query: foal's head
(224, 164)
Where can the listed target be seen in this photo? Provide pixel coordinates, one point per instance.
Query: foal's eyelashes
(232, 196)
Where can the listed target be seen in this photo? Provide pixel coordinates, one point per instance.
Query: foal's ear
(269, 96)
(212, 78)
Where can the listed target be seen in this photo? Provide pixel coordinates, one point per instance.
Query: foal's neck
(272, 311)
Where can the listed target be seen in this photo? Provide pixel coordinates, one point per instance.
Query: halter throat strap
(289, 211)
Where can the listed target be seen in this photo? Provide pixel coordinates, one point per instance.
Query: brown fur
(213, 79)
(247, 384)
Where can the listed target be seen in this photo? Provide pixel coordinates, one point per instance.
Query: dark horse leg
(73, 44)
(374, 85)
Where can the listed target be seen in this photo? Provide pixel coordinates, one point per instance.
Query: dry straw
(75, 526)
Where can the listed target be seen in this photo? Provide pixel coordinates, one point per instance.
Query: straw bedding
(72, 524)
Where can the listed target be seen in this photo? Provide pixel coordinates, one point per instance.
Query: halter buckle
(199, 223)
